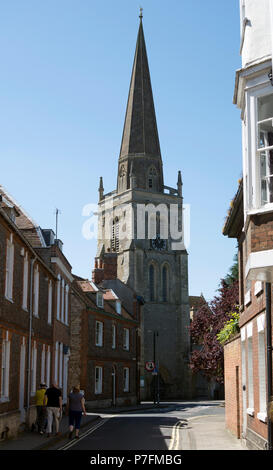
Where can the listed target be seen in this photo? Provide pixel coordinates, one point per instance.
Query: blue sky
(65, 74)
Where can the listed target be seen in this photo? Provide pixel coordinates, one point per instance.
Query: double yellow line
(174, 444)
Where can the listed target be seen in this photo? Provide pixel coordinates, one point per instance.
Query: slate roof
(140, 134)
(29, 228)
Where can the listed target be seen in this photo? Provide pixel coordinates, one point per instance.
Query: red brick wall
(15, 320)
(233, 387)
(261, 227)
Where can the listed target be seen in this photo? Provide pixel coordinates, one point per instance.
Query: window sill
(62, 322)
(262, 417)
(4, 400)
(261, 210)
(250, 411)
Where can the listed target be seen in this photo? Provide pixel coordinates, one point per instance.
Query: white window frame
(33, 369)
(261, 150)
(43, 364)
(99, 299)
(56, 362)
(5, 367)
(250, 387)
(25, 282)
(36, 292)
(126, 379)
(118, 307)
(9, 268)
(98, 380)
(248, 293)
(62, 303)
(48, 365)
(66, 304)
(58, 296)
(262, 415)
(49, 302)
(251, 156)
(99, 333)
(126, 339)
(258, 287)
(114, 334)
(60, 365)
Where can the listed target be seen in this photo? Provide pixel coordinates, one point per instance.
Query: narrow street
(168, 427)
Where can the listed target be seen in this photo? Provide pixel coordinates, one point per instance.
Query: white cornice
(62, 267)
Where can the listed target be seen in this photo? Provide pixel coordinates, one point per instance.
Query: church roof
(140, 134)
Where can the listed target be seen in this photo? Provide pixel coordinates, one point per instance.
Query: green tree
(233, 274)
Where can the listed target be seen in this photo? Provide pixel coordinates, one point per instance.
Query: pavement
(208, 433)
(28, 440)
(204, 432)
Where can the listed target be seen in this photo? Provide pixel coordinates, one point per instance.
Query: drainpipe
(269, 362)
(29, 340)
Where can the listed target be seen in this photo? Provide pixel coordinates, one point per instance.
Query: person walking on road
(54, 408)
(40, 407)
(75, 408)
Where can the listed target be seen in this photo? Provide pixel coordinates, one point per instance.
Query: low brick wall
(92, 404)
(233, 386)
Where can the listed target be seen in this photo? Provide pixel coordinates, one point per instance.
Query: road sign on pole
(150, 366)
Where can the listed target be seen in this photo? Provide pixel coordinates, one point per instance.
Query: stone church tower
(149, 260)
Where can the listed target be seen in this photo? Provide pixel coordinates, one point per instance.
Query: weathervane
(141, 11)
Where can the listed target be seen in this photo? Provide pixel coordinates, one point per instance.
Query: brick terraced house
(35, 286)
(250, 221)
(105, 337)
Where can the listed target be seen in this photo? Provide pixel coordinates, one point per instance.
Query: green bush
(231, 328)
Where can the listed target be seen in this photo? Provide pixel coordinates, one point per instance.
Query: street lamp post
(156, 378)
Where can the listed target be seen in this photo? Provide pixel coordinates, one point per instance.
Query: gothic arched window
(165, 284)
(152, 282)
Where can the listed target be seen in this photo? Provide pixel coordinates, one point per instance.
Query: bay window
(265, 147)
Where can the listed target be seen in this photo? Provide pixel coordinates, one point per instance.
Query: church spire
(140, 135)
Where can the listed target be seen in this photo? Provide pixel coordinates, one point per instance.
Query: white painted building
(254, 96)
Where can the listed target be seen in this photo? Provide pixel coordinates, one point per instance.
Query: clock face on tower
(159, 244)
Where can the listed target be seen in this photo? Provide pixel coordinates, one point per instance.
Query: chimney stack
(105, 268)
